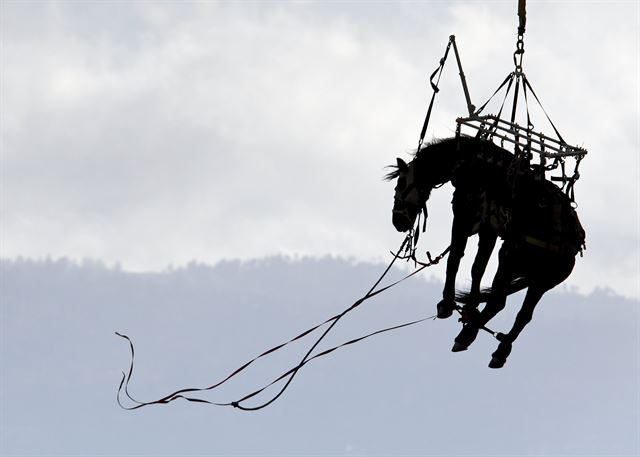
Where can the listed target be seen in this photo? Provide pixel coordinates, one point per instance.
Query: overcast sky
(155, 133)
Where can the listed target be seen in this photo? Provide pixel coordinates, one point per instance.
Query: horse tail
(514, 286)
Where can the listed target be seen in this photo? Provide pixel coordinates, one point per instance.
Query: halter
(410, 195)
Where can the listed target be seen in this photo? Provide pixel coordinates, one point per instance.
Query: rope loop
(287, 377)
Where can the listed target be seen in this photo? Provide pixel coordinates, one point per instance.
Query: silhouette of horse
(496, 194)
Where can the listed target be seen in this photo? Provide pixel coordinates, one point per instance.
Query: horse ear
(402, 165)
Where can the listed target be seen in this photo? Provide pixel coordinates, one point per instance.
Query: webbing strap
(292, 373)
(526, 105)
(515, 100)
(508, 79)
(434, 86)
(236, 404)
(527, 84)
(126, 378)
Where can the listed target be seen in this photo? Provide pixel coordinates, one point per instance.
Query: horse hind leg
(499, 357)
(495, 304)
(486, 243)
(533, 296)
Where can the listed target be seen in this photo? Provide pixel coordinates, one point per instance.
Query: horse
(496, 195)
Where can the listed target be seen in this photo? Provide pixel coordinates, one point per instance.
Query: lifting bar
(470, 106)
(535, 142)
(524, 138)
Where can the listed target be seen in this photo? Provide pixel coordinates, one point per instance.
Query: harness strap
(464, 320)
(526, 105)
(527, 84)
(506, 80)
(509, 79)
(434, 86)
(515, 100)
(542, 244)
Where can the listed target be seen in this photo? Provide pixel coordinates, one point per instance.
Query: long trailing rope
(180, 394)
(290, 374)
(408, 247)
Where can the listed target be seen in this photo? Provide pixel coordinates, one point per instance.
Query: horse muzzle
(401, 220)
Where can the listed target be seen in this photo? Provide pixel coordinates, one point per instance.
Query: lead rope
(126, 377)
(409, 243)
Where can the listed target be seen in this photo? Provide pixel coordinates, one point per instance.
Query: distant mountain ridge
(569, 388)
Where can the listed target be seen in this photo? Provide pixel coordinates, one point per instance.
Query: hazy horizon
(430, 275)
(569, 388)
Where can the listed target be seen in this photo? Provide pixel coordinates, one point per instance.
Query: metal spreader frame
(551, 151)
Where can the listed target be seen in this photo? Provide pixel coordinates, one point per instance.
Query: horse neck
(436, 162)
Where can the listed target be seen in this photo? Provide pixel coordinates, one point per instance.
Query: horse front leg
(531, 299)
(458, 244)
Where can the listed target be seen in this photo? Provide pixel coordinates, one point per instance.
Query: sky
(149, 134)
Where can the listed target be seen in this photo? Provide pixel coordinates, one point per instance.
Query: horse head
(431, 167)
(410, 196)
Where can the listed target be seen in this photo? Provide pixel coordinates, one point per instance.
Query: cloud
(158, 133)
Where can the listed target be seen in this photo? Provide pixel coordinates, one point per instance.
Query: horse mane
(394, 173)
(495, 151)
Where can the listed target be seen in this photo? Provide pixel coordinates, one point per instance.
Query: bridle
(411, 196)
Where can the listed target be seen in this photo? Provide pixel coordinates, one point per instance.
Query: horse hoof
(445, 308)
(499, 357)
(459, 347)
(464, 339)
